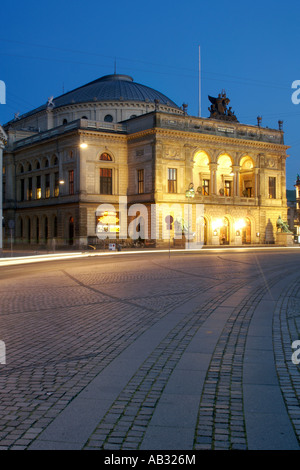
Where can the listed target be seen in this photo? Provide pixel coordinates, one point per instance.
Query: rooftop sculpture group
(219, 108)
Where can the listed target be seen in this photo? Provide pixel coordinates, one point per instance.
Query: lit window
(140, 181)
(29, 189)
(105, 181)
(38, 187)
(47, 186)
(105, 157)
(272, 187)
(71, 182)
(227, 188)
(172, 180)
(56, 185)
(205, 188)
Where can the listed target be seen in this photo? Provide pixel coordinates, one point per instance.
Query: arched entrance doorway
(201, 231)
(246, 232)
(37, 230)
(71, 231)
(28, 230)
(225, 232)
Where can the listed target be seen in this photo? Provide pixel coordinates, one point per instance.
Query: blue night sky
(250, 49)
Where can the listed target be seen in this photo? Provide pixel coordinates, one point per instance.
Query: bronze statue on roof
(219, 110)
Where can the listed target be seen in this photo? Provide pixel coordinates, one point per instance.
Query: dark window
(108, 118)
(272, 187)
(105, 181)
(172, 180)
(46, 228)
(247, 192)
(37, 230)
(140, 181)
(205, 188)
(55, 231)
(71, 182)
(22, 195)
(227, 188)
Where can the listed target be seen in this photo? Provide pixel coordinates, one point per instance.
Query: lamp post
(189, 194)
(3, 140)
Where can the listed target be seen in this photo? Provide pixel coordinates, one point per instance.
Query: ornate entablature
(219, 108)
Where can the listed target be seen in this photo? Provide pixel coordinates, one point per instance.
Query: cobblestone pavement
(150, 352)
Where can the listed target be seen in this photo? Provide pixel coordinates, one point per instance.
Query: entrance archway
(246, 232)
(225, 232)
(71, 231)
(201, 230)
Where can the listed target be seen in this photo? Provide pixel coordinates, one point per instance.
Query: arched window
(201, 173)
(225, 175)
(247, 177)
(20, 168)
(108, 118)
(105, 157)
(55, 230)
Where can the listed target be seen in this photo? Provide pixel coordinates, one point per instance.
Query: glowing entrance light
(83, 145)
(217, 223)
(239, 224)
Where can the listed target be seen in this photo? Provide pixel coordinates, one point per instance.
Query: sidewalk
(8, 258)
(187, 353)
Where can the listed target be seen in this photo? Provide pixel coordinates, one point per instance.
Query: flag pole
(199, 111)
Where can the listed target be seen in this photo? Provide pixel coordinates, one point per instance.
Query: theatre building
(116, 142)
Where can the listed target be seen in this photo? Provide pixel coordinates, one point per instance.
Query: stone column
(188, 165)
(213, 177)
(255, 182)
(236, 180)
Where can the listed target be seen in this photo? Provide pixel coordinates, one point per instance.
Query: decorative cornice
(217, 138)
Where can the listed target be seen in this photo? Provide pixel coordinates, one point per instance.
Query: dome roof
(113, 88)
(109, 88)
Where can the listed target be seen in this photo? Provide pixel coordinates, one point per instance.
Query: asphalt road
(132, 352)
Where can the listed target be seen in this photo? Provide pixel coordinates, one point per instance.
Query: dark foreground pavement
(150, 352)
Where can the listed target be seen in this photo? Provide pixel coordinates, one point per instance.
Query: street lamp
(189, 194)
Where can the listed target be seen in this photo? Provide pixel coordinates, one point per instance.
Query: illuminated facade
(114, 140)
